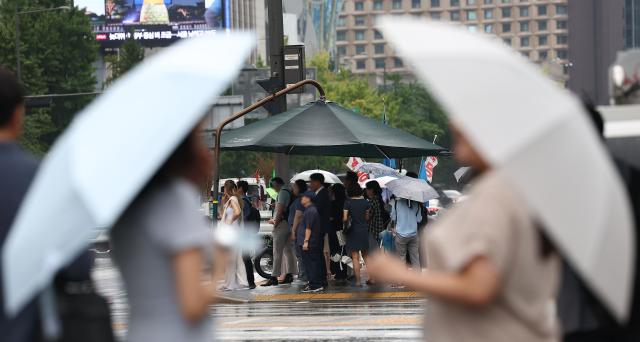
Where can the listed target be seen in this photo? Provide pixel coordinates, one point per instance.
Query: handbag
(84, 314)
(342, 238)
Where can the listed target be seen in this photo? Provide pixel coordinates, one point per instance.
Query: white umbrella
(538, 135)
(412, 188)
(377, 170)
(329, 177)
(382, 181)
(108, 155)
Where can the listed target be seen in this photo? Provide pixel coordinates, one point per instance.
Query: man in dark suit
(323, 204)
(17, 169)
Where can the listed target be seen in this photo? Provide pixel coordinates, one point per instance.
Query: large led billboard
(156, 22)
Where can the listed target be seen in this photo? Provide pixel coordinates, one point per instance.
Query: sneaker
(252, 286)
(313, 290)
(306, 288)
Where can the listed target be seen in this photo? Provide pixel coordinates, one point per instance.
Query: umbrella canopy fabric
(325, 128)
(461, 172)
(382, 181)
(329, 177)
(413, 189)
(109, 153)
(377, 170)
(536, 144)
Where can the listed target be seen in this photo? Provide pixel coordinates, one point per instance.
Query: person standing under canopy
(284, 261)
(492, 274)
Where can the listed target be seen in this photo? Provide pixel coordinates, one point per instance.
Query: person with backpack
(251, 221)
(284, 261)
(406, 215)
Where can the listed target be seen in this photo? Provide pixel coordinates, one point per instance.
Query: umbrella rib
(291, 149)
(381, 152)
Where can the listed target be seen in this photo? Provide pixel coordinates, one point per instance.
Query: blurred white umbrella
(538, 134)
(109, 153)
(412, 188)
(329, 177)
(377, 170)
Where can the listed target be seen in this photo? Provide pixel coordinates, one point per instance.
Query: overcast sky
(95, 6)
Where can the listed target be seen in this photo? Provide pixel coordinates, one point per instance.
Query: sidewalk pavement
(335, 292)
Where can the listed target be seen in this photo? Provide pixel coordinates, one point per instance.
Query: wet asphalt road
(377, 320)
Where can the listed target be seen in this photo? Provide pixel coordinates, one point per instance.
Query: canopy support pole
(243, 112)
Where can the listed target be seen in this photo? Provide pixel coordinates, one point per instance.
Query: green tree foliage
(129, 55)
(57, 50)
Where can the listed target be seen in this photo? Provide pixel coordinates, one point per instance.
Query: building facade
(596, 34)
(536, 28)
(631, 24)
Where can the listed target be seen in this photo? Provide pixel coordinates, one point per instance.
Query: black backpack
(254, 215)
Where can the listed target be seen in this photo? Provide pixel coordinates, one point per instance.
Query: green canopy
(325, 128)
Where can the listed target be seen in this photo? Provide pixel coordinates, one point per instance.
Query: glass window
(562, 54)
(377, 34)
(377, 5)
(397, 62)
(378, 48)
(342, 50)
(524, 26)
(561, 9)
(359, 6)
(379, 63)
(341, 35)
(488, 14)
(472, 15)
(454, 3)
(361, 64)
(472, 28)
(341, 21)
(506, 12)
(561, 24)
(507, 41)
(396, 4)
(543, 40)
(524, 11)
(359, 20)
(455, 16)
(416, 4)
(562, 39)
(525, 54)
(488, 28)
(543, 55)
(488, 2)
(505, 1)
(524, 41)
(471, 2)
(506, 27)
(361, 49)
(542, 25)
(435, 3)
(542, 9)
(359, 35)
(435, 15)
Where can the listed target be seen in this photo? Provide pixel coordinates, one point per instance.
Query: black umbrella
(325, 128)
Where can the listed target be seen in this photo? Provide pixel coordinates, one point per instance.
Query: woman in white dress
(235, 275)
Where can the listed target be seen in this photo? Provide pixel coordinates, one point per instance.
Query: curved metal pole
(245, 111)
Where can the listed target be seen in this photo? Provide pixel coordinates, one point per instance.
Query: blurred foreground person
(492, 274)
(583, 317)
(17, 169)
(163, 247)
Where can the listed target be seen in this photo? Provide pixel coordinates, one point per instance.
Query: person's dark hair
(244, 185)
(11, 96)
(317, 177)
(412, 174)
(277, 180)
(230, 184)
(302, 186)
(354, 190)
(594, 116)
(351, 177)
(339, 193)
(182, 158)
(377, 190)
